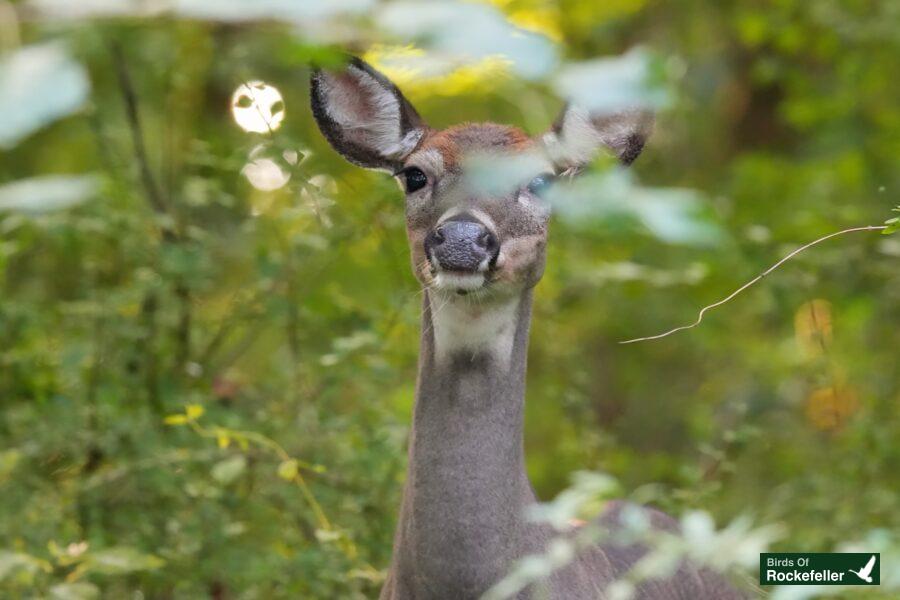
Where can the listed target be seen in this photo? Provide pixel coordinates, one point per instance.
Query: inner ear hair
(578, 134)
(364, 116)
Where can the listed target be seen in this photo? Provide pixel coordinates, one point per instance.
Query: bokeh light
(257, 107)
(264, 172)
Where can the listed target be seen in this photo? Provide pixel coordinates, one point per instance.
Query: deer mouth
(460, 283)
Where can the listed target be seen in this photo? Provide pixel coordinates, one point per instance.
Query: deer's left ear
(577, 135)
(364, 116)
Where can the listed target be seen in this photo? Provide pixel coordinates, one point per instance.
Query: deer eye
(413, 179)
(540, 184)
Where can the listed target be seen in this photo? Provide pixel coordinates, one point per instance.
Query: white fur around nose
(468, 328)
(454, 281)
(484, 218)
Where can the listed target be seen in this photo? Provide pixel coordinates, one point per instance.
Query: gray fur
(462, 520)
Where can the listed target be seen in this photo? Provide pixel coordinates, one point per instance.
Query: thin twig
(753, 281)
(134, 124)
(154, 197)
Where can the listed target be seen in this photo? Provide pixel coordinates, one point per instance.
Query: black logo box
(819, 568)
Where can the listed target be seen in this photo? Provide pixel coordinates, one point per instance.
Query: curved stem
(733, 294)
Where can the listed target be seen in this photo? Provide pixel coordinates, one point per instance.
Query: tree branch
(154, 196)
(134, 124)
(733, 294)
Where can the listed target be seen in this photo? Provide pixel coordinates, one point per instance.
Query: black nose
(459, 245)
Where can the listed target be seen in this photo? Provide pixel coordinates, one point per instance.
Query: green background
(293, 314)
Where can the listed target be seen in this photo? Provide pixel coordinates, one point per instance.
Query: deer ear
(577, 135)
(364, 116)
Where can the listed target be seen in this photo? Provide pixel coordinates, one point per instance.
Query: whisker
(434, 313)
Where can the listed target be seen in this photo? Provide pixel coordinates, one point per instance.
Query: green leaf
(20, 565)
(74, 591)
(119, 560)
(223, 440)
(175, 420)
(300, 11)
(229, 469)
(673, 215)
(461, 32)
(40, 84)
(893, 225)
(194, 411)
(8, 461)
(43, 194)
(609, 85)
(327, 535)
(285, 10)
(288, 469)
(495, 174)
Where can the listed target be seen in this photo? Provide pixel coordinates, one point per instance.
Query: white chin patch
(456, 281)
(470, 328)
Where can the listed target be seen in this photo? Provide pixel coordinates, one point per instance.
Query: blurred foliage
(206, 386)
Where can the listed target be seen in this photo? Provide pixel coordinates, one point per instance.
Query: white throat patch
(462, 327)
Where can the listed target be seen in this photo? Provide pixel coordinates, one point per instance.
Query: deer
(478, 258)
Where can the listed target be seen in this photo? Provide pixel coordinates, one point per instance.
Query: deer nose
(462, 245)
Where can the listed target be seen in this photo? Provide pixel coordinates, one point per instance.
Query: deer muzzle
(462, 245)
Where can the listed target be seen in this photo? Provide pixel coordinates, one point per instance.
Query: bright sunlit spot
(266, 174)
(257, 107)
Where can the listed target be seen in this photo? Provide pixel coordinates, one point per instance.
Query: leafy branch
(892, 225)
(289, 469)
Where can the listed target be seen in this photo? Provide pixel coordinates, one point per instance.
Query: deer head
(463, 241)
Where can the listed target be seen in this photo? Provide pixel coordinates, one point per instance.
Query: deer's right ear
(364, 116)
(578, 134)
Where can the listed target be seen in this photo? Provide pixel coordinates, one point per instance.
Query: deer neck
(462, 519)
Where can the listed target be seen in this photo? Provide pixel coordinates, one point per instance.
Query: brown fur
(452, 141)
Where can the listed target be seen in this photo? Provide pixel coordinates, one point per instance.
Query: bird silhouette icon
(865, 572)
